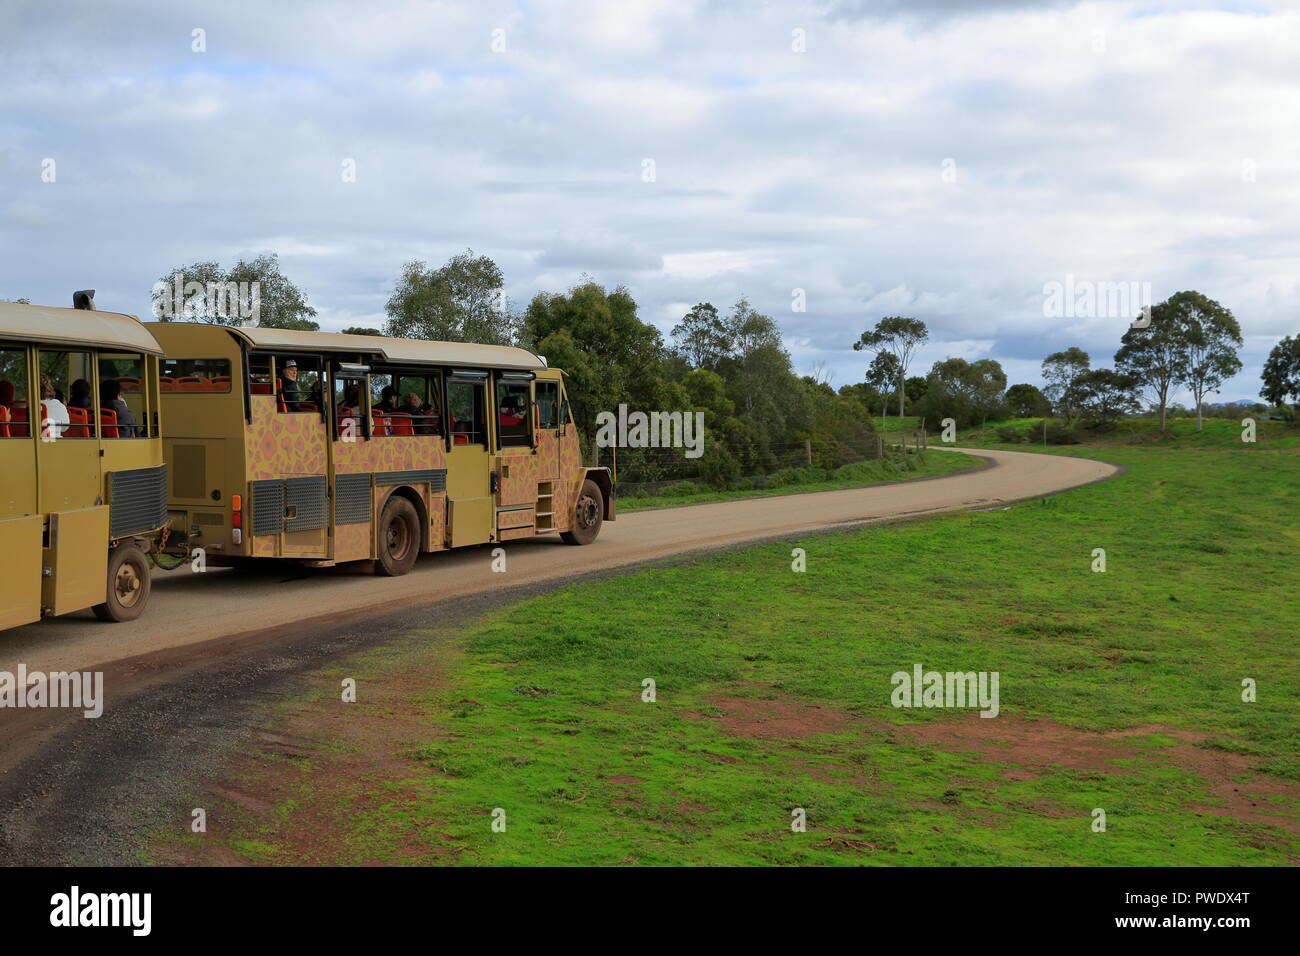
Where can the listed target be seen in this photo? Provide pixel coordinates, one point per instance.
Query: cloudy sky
(944, 160)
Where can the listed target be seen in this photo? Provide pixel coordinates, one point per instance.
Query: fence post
(807, 447)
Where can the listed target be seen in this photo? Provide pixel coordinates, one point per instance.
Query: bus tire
(399, 537)
(128, 585)
(587, 516)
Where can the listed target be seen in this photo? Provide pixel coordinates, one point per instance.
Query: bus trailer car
(83, 502)
(322, 448)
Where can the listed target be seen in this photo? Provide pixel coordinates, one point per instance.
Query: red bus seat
(400, 424)
(79, 426)
(108, 423)
(4, 421)
(18, 420)
(260, 388)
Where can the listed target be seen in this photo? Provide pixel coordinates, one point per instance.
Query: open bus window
(13, 394)
(297, 383)
(405, 403)
(122, 409)
(465, 411)
(548, 404)
(349, 412)
(513, 400)
(195, 375)
(67, 408)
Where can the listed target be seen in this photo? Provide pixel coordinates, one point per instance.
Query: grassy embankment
(1119, 690)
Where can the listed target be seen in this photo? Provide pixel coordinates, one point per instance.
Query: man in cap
(290, 391)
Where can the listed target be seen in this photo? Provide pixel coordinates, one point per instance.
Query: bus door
(60, 413)
(21, 525)
(548, 428)
(469, 492)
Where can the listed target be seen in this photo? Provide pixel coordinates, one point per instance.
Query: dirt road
(188, 608)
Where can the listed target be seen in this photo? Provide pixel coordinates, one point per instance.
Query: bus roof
(413, 351)
(45, 323)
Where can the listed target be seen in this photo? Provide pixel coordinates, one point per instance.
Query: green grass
(541, 714)
(802, 480)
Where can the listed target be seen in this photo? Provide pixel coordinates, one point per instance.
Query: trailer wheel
(399, 537)
(587, 516)
(128, 585)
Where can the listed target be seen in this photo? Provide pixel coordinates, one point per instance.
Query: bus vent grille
(309, 497)
(436, 478)
(137, 500)
(268, 506)
(352, 499)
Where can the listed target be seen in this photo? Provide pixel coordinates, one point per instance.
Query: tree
(18, 301)
(1209, 338)
(1060, 371)
(1026, 401)
(882, 374)
(256, 286)
(358, 330)
(966, 392)
(914, 387)
(900, 337)
(462, 301)
(1155, 356)
(1282, 372)
(607, 352)
(1105, 395)
(702, 337)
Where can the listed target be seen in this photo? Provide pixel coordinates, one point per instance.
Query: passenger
(422, 415)
(6, 392)
(54, 414)
(290, 391)
(80, 394)
(110, 398)
(387, 401)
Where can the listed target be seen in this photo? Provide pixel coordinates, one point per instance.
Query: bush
(719, 468)
(1057, 434)
(680, 489)
(1012, 435)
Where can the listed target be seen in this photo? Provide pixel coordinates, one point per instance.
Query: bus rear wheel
(587, 516)
(399, 537)
(128, 585)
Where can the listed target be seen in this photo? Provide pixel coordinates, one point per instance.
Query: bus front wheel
(587, 516)
(128, 585)
(399, 537)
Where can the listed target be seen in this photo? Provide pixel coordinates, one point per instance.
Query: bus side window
(349, 410)
(66, 407)
(13, 394)
(548, 402)
(465, 410)
(122, 409)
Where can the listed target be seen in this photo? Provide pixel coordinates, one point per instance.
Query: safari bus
(83, 501)
(324, 448)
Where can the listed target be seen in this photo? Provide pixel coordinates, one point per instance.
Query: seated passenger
(110, 399)
(80, 394)
(290, 392)
(510, 416)
(387, 401)
(422, 415)
(6, 392)
(54, 414)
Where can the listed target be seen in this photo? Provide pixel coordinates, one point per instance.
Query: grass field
(1120, 691)
(803, 480)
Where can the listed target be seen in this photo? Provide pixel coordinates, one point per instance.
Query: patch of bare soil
(775, 717)
(1033, 747)
(359, 754)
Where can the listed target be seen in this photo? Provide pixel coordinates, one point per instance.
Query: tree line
(1188, 341)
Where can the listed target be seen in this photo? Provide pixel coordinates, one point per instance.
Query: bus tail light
(237, 519)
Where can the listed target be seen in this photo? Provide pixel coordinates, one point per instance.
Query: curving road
(188, 608)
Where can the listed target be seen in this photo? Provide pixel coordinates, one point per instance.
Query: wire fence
(648, 469)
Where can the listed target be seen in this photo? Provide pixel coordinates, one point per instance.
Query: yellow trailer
(84, 484)
(324, 448)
